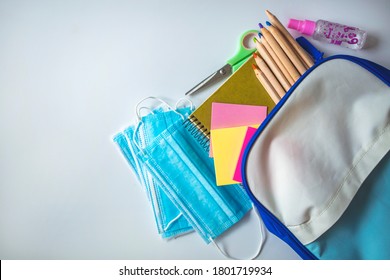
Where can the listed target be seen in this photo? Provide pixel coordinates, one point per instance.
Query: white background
(71, 73)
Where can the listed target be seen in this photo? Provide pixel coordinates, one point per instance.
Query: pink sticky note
(249, 134)
(226, 115)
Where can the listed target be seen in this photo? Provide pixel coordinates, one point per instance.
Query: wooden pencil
(287, 48)
(302, 53)
(266, 84)
(270, 76)
(272, 65)
(279, 52)
(277, 60)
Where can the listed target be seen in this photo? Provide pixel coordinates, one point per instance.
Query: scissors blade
(225, 71)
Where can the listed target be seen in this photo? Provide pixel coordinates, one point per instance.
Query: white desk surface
(71, 73)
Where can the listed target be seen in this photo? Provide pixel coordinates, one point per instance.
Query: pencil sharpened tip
(268, 23)
(260, 34)
(261, 26)
(254, 67)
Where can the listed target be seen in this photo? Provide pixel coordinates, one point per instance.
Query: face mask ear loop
(135, 135)
(262, 240)
(183, 99)
(138, 109)
(146, 108)
(171, 222)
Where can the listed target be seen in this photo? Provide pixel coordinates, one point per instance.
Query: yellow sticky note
(227, 143)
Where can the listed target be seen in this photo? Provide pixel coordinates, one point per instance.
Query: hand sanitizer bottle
(330, 32)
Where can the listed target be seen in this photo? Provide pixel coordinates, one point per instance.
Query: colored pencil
(302, 53)
(279, 52)
(270, 76)
(287, 48)
(266, 84)
(276, 58)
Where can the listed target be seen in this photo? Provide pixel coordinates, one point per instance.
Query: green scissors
(245, 50)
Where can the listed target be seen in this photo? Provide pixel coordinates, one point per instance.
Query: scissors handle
(245, 49)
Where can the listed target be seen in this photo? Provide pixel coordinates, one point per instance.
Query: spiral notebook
(240, 88)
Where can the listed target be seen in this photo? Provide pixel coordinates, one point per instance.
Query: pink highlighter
(330, 32)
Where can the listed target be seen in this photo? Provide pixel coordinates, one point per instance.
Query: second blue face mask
(169, 220)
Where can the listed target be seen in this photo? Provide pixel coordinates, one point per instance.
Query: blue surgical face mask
(180, 174)
(169, 220)
(182, 167)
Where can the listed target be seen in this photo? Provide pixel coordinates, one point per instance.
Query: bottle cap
(306, 27)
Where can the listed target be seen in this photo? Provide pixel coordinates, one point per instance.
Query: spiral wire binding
(198, 131)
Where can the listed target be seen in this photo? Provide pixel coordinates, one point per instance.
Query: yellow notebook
(240, 88)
